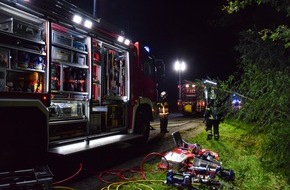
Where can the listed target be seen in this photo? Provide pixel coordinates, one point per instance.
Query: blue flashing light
(147, 49)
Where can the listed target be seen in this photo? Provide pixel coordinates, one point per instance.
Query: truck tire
(142, 125)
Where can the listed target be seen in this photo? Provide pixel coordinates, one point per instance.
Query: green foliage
(265, 86)
(246, 153)
(234, 6)
(280, 35)
(265, 80)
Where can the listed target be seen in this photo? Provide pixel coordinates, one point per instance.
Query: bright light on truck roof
(127, 42)
(88, 24)
(77, 19)
(122, 39)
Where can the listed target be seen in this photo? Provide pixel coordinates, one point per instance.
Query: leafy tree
(265, 80)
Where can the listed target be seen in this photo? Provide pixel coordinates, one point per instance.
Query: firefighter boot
(216, 137)
(216, 130)
(209, 135)
(209, 130)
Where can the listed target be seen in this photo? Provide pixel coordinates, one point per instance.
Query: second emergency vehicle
(192, 98)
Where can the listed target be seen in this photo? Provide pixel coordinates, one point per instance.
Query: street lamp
(179, 66)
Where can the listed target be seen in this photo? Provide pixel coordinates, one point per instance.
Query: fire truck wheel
(142, 125)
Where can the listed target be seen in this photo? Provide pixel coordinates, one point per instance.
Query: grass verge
(238, 150)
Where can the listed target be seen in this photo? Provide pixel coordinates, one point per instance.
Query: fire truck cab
(70, 82)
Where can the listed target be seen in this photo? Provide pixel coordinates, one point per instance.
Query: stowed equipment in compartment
(115, 116)
(75, 79)
(69, 67)
(115, 73)
(109, 72)
(70, 80)
(67, 119)
(21, 28)
(107, 118)
(22, 52)
(109, 88)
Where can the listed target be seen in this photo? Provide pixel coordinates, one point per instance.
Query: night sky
(186, 30)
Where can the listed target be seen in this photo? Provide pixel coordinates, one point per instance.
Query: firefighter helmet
(163, 94)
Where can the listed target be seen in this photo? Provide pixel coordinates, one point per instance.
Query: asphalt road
(81, 171)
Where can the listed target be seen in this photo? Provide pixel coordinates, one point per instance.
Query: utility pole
(95, 8)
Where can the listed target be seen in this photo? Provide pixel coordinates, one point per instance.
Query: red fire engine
(192, 98)
(69, 83)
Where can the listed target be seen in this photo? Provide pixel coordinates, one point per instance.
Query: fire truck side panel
(143, 91)
(144, 71)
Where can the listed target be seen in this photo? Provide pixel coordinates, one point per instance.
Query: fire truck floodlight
(88, 24)
(77, 19)
(120, 39)
(123, 40)
(127, 42)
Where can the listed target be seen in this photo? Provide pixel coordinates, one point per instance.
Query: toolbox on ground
(27, 179)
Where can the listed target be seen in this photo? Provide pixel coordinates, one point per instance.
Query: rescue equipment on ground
(189, 163)
(39, 178)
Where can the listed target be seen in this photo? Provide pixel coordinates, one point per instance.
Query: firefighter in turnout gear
(212, 118)
(163, 112)
(214, 111)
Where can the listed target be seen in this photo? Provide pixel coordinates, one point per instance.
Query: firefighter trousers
(163, 122)
(212, 123)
